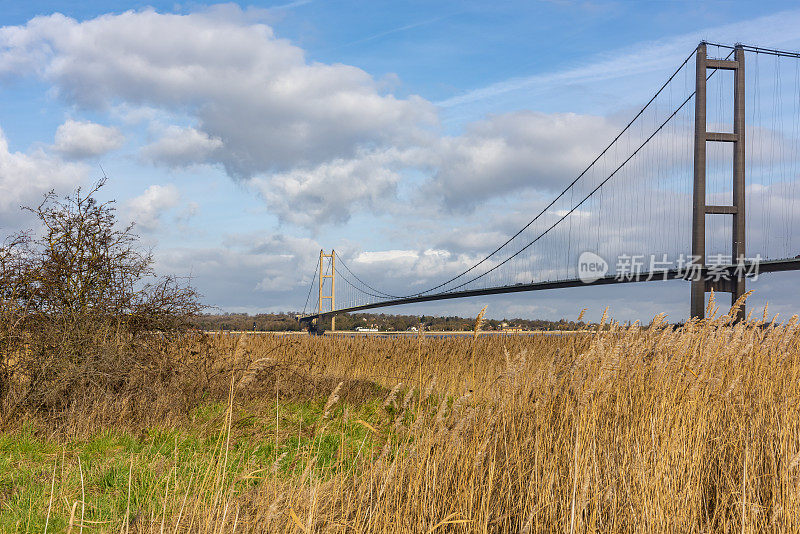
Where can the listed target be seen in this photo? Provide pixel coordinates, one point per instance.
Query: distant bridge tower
(734, 286)
(322, 278)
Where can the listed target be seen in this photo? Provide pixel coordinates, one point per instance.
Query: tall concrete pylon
(322, 278)
(700, 208)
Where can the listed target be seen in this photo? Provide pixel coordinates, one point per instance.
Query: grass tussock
(636, 428)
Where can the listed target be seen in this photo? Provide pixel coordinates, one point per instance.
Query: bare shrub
(81, 310)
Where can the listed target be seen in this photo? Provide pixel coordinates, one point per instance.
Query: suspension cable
(341, 261)
(311, 287)
(351, 284)
(688, 98)
(381, 294)
(582, 201)
(562, 193)
(758, 50)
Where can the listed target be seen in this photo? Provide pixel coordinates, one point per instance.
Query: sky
(410, 136)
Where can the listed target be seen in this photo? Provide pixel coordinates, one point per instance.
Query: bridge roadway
(765, 266)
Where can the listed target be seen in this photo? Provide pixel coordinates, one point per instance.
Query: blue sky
(243, 138)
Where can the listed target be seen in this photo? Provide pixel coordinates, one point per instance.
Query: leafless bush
(82, 311)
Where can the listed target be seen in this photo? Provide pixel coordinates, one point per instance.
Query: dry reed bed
(691, 429)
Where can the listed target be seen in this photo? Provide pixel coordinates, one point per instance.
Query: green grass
(163, 461)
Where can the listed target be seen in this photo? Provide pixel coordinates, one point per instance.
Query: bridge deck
(770, 266)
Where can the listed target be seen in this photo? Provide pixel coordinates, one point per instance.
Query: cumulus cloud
(475, 240)
(249, 272)
(254, 103)
(409, 268)
(495, 157)
(148, 208)
(24, 178)
(83, 139)
(257, 93)
(525, 149)
(331, 191)
(319, 141)
(181, 147)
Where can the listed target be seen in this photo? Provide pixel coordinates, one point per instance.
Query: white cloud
(496, 157)
(380, 256)
(400, 270)
(148, 208)
(270, 107)
(331, 191)
(254, 103)
(249, 272)
(189, 211)
(25, 178)
(526, 149)
(180, 147)
(83, 139)
(477, 240)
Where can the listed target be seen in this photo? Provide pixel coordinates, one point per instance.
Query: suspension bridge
(701, 184)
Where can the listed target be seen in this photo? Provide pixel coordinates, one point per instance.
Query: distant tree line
(263, 322)
(274, 322)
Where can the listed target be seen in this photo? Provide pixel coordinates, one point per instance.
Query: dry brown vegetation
(82, 313)
(624, 429)
(114, 419)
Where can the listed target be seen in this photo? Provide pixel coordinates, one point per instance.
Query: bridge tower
(322, 278)
(700, 208)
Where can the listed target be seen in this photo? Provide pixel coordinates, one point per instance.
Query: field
(611, 429)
